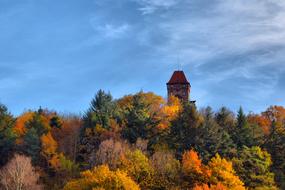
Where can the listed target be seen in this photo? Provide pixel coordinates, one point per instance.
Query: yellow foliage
(223, 172)
(169, 112)
(102, 178)
(219, 186)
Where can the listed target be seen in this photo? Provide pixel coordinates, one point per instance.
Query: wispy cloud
(112, 31)
(150, 6)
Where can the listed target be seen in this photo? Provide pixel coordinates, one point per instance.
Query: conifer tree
(7, 136)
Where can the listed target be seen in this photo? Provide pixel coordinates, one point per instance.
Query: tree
(223, 172)
(97, 121)
(49, 150)
(100, 178)
(32, 145)
(110, 153)
(245, 134)
(20, 125)
(100, 111)
(194, 172)
(67, 136)
(140, 116)
(167, 170)
(253, 167)
(211, 138)
(19, 174)
(219, 186)
(183, 130)
(7, 136)
(138, 167)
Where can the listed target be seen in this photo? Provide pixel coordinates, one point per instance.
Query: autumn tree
(101, 178)
(49, 150)
(67, 136)
(253, 167)
(138, 167)
(194, 172)
(19, 174)
(167, 170)
(222, 172)
(109, 153)
(20, 128)
(275, 142)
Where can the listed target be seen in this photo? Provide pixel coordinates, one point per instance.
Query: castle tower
(179, 86)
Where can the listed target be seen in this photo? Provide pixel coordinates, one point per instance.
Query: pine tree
(7, 136)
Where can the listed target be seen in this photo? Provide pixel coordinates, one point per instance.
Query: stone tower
(179, 86)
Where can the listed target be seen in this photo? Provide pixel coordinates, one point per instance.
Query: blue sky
(57, 54)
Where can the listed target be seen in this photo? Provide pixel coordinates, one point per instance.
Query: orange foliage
(272, 114)
(49, 148)
(19, 127)
(191, 163)
(261, 121)
(276, 114)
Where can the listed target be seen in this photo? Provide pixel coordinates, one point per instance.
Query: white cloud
(112, 31)
(150, 6)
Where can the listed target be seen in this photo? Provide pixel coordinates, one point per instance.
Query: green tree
(245, 134)
(184, 129)
(226, 119)
(140, 116)
(100, 111)
(36, 127)
(212, 138)
(32, 145)
(96, 122)
(253, 167)
(7, 136)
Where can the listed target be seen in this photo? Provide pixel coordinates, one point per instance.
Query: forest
(142, 141)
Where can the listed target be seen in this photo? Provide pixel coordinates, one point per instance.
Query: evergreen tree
(139, 121)
(96, 121)
(211, 138)
(226, 119)
(275, 145)
(32, 145)
(184, 129)
(7, 136)
(36, 127)
(243, 135)
(100, 111)
(253, 167)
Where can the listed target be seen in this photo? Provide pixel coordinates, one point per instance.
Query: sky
(58, 54)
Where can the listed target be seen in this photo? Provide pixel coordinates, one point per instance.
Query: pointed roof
(178, 77)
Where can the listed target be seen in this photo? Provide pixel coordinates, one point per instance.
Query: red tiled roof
(178, 77)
